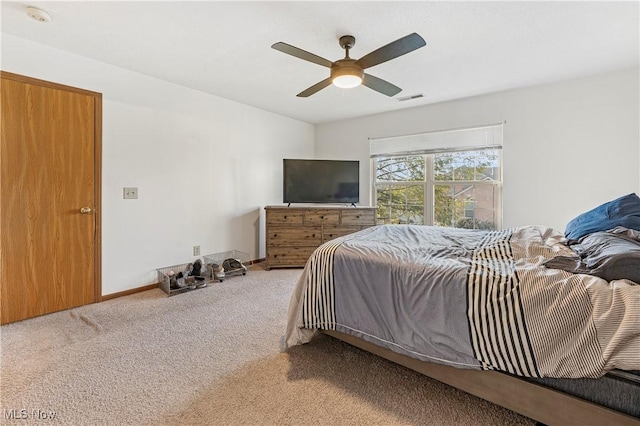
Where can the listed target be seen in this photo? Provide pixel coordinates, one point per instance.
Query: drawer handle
(357, 217)
(313, 235)
(285, 217)
(321, 217)
(275, 235)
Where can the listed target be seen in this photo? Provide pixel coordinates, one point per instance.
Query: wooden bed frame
(546, 405)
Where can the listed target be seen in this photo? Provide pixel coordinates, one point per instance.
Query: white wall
(568, 146)
(205, 166)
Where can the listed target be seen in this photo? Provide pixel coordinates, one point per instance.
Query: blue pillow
(623, 211)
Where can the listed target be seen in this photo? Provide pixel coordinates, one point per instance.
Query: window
(441, 185)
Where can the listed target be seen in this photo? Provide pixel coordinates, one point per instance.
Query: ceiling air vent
(408, 98)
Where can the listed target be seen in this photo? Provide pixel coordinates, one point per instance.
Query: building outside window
(438, 182)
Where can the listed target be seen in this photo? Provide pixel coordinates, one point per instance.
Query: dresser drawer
(331, 232)
(322, 216)
(288, 256)
(294, 236)
(285, 216)
(359, 217)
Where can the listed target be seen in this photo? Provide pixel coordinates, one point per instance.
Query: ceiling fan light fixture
(347, 81)
(346, 74)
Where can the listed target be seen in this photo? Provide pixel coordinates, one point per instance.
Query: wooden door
(49, 156)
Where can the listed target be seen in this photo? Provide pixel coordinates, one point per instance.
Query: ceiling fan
(348, 72)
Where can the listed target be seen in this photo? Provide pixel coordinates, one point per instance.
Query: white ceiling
(223, 48)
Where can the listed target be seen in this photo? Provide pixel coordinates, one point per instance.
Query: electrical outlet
(130, 193)
(196, 250)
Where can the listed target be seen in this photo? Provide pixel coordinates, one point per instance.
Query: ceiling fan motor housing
(346, 67)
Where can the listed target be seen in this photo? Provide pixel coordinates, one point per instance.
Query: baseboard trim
(128, 292)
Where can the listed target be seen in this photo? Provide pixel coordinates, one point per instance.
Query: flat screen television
(321, 181)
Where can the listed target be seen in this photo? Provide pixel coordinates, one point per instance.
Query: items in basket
(229, 266)
(193, 276)
(226, 264)
(232, 265)
(217, 271)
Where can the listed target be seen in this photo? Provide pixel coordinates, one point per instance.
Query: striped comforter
(469, 299)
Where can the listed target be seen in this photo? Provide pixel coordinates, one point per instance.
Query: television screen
(321, 181)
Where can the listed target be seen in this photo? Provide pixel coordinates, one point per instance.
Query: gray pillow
(611, 255)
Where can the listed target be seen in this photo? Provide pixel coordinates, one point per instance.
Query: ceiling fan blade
(315, 88)
(392, 50)
(380, 85)
(302, 54)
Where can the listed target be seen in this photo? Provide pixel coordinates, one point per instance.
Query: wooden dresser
(293, 233)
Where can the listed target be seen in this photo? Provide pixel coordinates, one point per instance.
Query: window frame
(429, 183)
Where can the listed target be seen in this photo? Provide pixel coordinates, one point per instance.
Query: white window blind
(467, 139)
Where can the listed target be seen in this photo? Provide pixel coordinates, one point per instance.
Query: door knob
(85, 210)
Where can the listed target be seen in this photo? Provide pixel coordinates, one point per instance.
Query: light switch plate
(130, 193)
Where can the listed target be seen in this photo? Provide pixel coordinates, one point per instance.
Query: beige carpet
(211, 356)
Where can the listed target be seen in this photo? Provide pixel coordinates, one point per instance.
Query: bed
(480, 310)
